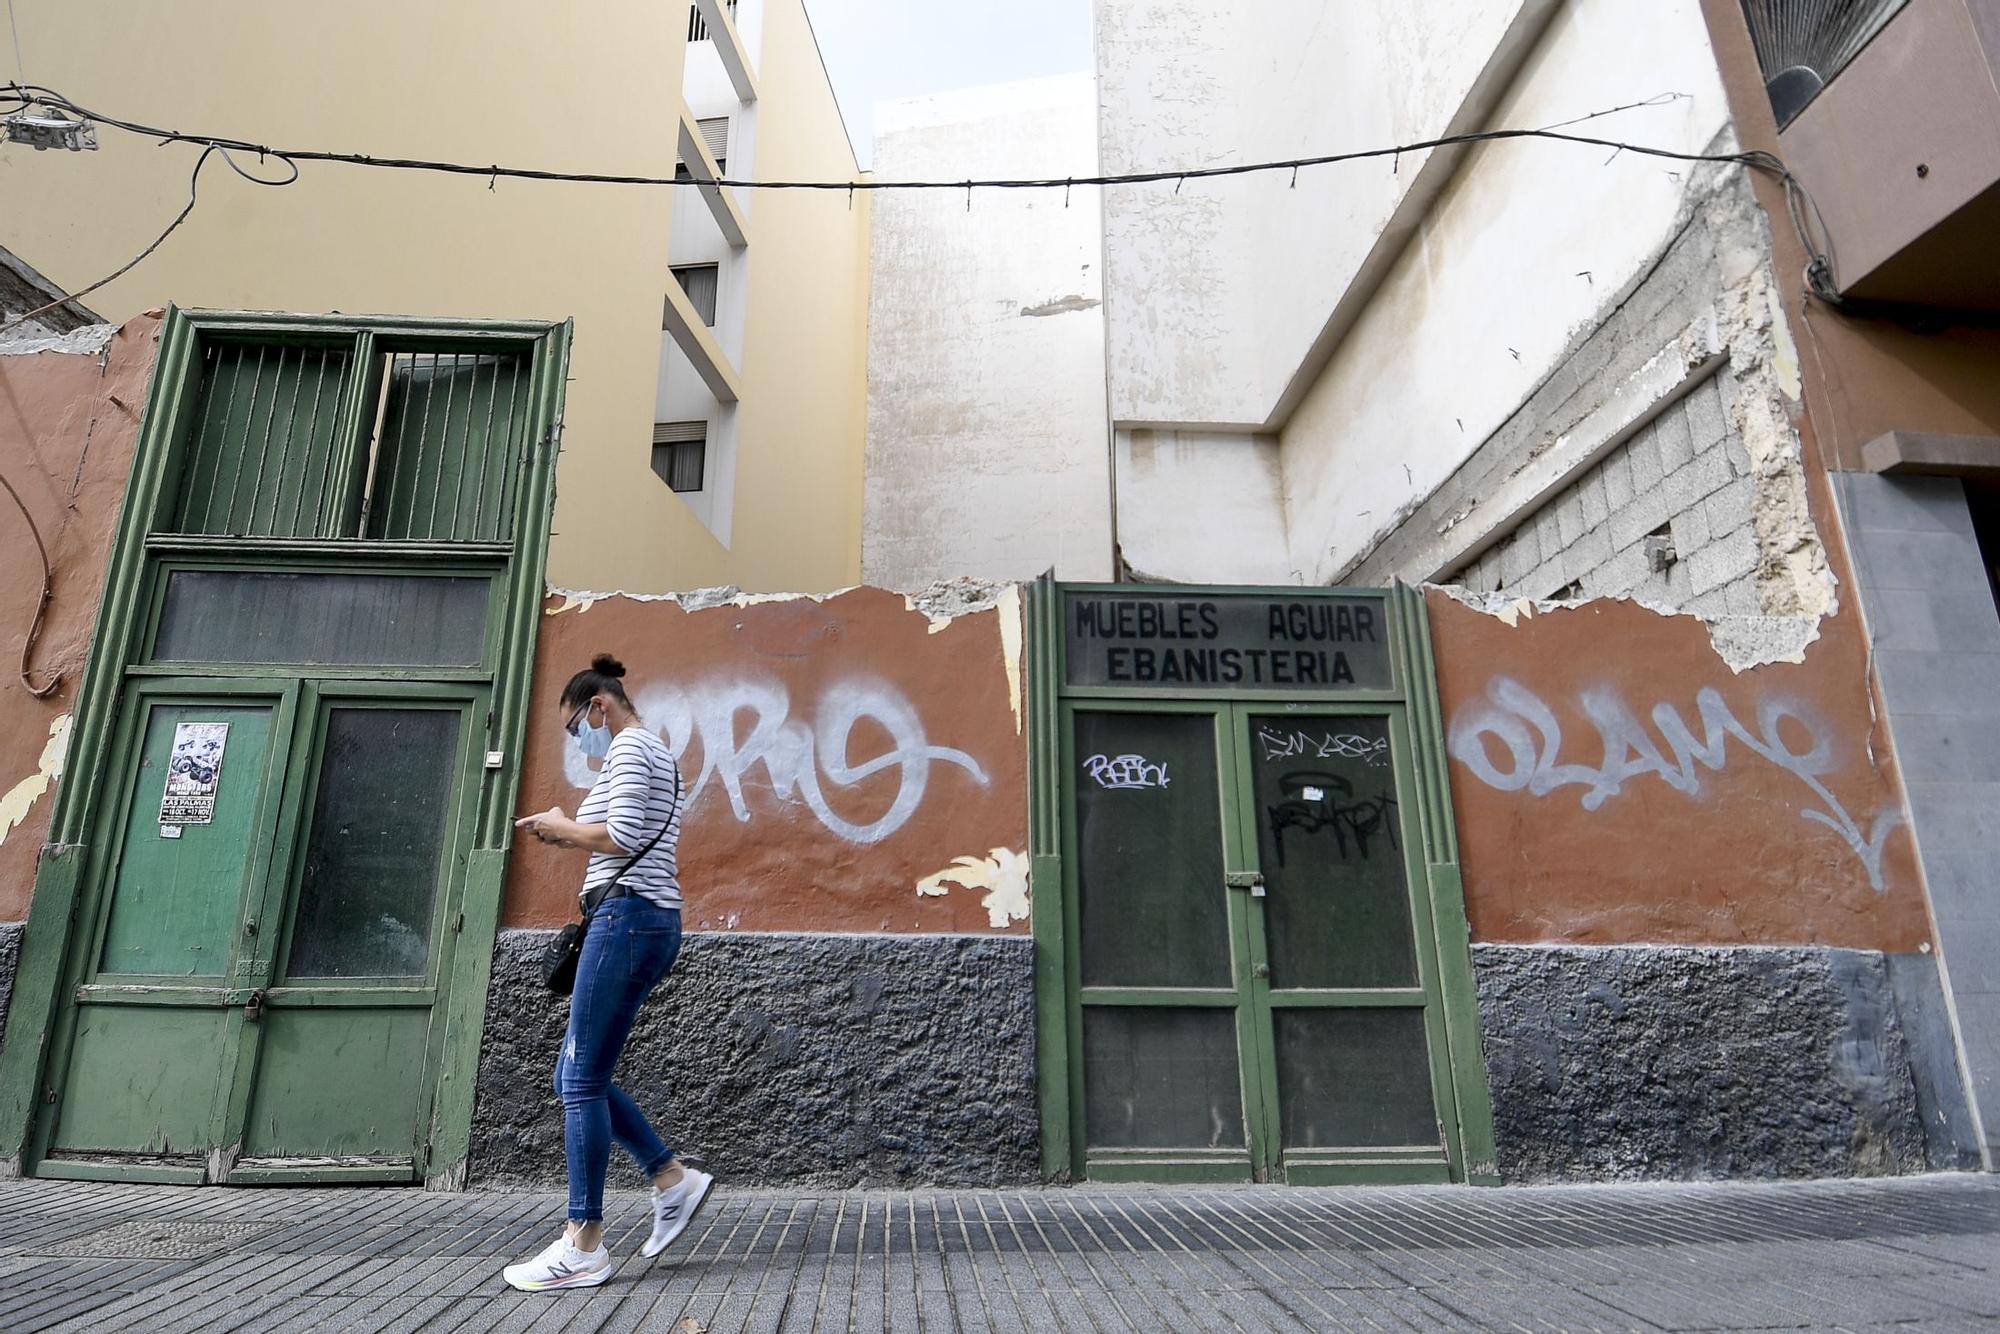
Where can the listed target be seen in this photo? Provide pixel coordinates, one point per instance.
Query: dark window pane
(1161, 1079)
(1149, 851)
(1337, 904)
(1354, 1077)
(700, 282)
(324, 619)
(679, 454)
(377, 844)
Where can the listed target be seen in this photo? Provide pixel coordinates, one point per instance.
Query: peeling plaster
(18, 800)
(1761, 390)
(88, 341)
(694, 599)
(948, 599)
(1010, 648)
(1742, 642)
(1003, 874)
(1062, 305)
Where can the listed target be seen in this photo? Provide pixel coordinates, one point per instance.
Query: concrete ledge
(1924, 453)
(813, 1059)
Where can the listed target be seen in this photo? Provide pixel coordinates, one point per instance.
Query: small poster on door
(193, 771)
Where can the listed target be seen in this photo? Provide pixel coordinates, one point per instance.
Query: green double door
(1256, 974)
(257, 965)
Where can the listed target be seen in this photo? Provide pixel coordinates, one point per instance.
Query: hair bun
(606, 665)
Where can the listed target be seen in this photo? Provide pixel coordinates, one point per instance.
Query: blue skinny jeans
(631, 945)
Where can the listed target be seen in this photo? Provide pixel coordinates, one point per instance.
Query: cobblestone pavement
(1921, 1252)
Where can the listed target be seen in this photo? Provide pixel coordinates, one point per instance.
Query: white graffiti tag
(1373, 751)
(1126, 771)
(800, 760)
(1513, 716)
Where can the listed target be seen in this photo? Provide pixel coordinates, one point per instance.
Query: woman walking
(629, 822)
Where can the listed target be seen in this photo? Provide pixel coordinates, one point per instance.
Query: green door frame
(140, 554)
(1411, 703)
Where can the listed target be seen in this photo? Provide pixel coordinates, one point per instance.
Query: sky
(880, 50)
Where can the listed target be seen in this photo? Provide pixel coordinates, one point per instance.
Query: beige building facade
(526, 85)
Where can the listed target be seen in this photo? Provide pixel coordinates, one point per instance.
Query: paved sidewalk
(1921, 1252)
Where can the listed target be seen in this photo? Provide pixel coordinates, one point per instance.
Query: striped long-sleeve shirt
(637, 792)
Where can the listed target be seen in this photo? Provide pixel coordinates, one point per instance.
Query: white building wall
(1217, 289)
(1201, 507)
(1530, 245)
(987, 436)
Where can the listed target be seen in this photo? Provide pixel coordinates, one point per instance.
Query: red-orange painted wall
(1727, 855)
(838, 752)
(68, 424)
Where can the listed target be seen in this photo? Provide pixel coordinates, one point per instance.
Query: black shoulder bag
(560, 955)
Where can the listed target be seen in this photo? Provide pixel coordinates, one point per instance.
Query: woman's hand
(545, 826)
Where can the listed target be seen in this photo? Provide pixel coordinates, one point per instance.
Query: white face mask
(593, 741)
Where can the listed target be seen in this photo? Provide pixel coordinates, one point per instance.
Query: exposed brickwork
(1712, 470)
(1684, 476)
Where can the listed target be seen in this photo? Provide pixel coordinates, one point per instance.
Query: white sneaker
(675, 1207)
(560, 1266)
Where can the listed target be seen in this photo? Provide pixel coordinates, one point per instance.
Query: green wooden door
(1164, 1024)
(1254, 967)
(1343, 974)
(168, 967)
(256, 993)
(340, 1046)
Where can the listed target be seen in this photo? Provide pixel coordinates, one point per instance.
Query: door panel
(143, 1079)
(1353, 1077)
(1337, 905)
(376, 872)
(1358, 1068)
(1159, 1078)
(338, 1082)
(1150, 857)
(1168, 1066)
(147, 1067)
(174, 911)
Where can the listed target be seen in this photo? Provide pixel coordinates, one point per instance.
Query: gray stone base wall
(1640, 1062)
(813, 1059)
(10, 960)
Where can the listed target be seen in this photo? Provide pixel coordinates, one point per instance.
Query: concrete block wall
(1685, 477)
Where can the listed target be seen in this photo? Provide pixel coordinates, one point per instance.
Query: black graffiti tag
(1316, 800)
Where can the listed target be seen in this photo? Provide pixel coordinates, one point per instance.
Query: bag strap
(603, 891)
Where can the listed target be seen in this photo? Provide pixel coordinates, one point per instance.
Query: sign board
(194, 770)
(1227, 641)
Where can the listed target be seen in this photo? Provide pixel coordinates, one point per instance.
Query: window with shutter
(679, 450)
(715, 137)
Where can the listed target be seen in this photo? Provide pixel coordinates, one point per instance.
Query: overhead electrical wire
(1803, 212)
(1804, 215)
